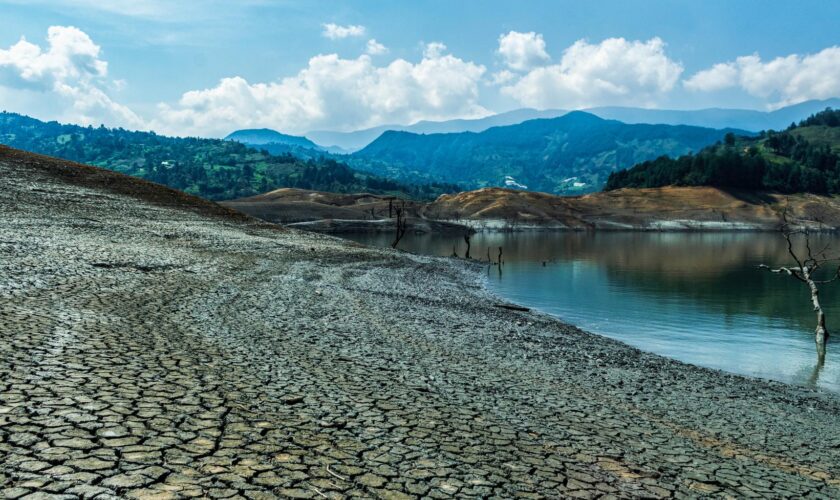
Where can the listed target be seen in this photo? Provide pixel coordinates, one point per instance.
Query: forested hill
(571, 154)
(805, 158)
(210, 168)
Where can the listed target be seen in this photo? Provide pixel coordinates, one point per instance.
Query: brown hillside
(39, 167)
(655, 208)
(290, 205)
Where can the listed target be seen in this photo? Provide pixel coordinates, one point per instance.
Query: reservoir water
(695, 297)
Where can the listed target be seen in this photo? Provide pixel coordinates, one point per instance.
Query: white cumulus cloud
(335, 93)
(375, 48)
(614, 71)
(335, 31)
(718, 77)
(783, 80)
(522, 51)
(69, 75)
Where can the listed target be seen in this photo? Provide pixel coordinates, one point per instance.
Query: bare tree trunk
(821, 332)
(467, 239)
(818, 368)
(401, 225)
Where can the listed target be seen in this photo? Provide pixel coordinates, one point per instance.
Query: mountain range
(570, 154)
(745, 119)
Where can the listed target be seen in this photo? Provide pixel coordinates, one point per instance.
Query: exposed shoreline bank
(671, 209)
(458, 227)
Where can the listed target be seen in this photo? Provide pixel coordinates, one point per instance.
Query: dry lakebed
(154, 345)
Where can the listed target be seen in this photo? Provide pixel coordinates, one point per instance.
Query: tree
(467, 241)
(805, 271)
(400, 224)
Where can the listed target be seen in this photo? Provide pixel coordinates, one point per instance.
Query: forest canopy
(803, 158)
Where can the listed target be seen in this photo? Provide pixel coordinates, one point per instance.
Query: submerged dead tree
(467, 240)
(805, 271)
(400, 224)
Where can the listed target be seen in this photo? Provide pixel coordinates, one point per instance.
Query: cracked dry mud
(154, 349)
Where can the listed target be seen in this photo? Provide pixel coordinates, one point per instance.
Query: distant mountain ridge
(571, 154)
(346, 142)
(261, 136)
(745, 119)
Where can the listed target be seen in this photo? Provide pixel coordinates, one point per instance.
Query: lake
(695, 297)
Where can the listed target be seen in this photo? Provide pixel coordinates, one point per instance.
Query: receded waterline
(695, 297)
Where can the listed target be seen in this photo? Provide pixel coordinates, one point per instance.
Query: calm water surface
(693, 297)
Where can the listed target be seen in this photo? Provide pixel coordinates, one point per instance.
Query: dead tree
(805, 271)
(400, 225)
(500, 256)
(467, 240)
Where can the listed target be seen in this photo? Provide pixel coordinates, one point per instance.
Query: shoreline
(457, 227)
(157, 350)
(537, 310)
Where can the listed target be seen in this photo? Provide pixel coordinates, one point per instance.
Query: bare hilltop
(155, 345)
(643, 209)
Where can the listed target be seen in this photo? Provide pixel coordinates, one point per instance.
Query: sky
(209, 67)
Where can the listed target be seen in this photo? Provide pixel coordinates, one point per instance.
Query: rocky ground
(156, 346)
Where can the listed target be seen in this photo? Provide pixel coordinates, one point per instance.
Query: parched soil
(152, 348)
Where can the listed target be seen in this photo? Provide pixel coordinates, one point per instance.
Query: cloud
(69, 73)
(334, 31)
(434, 50)
(718, 77)
(502, 77)
(375, 48)
(784, 80)
(71, 55)
(522, 51)
(335, 93)
(615, 71)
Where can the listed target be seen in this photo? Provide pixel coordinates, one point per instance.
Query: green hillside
(210, 168)
(261, 136)
(278, 144)
(570, 154)
(803, 158)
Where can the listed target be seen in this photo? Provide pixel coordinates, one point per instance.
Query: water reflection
(693, 297)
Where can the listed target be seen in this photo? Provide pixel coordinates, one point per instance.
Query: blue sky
(209, 67)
